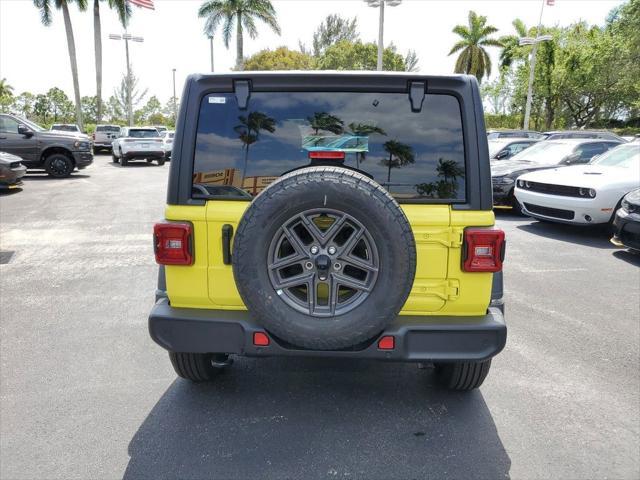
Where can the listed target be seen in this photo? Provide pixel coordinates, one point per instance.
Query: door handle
(3, 138)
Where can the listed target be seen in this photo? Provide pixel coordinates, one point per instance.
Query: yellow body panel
(440, 286)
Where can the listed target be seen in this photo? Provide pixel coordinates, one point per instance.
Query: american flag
(143, 3)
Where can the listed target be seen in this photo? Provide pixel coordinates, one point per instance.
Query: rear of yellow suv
(330, 215)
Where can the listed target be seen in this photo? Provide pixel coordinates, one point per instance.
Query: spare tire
(324, 258)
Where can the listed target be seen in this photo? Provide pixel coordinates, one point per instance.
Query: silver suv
(104, 137)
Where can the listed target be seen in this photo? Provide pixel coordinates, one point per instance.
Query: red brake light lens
(172, 243)
(388, 342)
(327, 155)
(260, 339)
(483, 250)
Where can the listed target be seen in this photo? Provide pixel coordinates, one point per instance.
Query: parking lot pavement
(85, 393)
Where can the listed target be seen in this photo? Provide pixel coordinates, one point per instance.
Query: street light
(127, 37)
(532, 64)
(175, 106)
(380, 4)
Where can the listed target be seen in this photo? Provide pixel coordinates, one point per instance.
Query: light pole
(211, 48)
(126, 37)
(532, 63)
(380, 4)
(175, 106)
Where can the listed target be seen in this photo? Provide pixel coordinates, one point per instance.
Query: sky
(35, 58)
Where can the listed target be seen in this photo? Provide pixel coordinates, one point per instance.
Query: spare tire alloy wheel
(324, 258)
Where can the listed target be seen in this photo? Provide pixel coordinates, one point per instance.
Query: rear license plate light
(483, 250)
(172, 243)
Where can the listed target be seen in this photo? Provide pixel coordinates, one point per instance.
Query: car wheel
(198, 367)
(324, 258)
(462, 375)
(114, 158)
(161, 161)
(58, 165)
(123, 161)
(516, 208)
(96, 150)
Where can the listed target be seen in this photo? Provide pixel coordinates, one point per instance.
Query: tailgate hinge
(417, 91)
(242, 89)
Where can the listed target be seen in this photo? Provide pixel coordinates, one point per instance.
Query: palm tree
(474, 59)
(123, 10)
(327, 122)
(249, 132)
(400, 154)
(362, 129)
(511, 44)
(449, 170)
(5, 88)
(244, 13)
(45, 16)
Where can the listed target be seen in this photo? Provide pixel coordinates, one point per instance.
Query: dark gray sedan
(11, 171)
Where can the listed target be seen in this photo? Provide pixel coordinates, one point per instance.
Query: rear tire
(114, 159)
(123, 161)
(197, 367)
(462, 376)
(160, 162)
(59, 165)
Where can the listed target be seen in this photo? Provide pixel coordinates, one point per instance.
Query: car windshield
(624, 156)
(144, 133)
(495, 147)
(33, 126)
(549, 152)
(414, 155)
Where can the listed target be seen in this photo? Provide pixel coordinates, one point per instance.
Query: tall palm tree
(249, 132)
(5, 88)
(241, 12)
(400, 154)
(474, 59)
(123, 9)
(363, 129)
(511, 43)
(45, 16)
(327, 122)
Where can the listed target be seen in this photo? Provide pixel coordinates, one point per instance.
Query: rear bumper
(140, 155)
(417, 339)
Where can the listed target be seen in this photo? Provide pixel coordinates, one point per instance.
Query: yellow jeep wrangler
(330, 215)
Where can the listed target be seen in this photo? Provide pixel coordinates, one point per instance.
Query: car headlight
(521, 183)
(587, 192)
(625, 205)
(81, 145)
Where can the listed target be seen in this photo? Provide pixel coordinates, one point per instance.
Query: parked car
(321, 261)
(11, 171)
(581, 194)
(565, 134)
(65, 127)
(495, 134)
(161, 129)
(104, 137)
(137, 143)
(627, 222)
(56, 152)
(167, 143)
(542, 155)
(505, 148)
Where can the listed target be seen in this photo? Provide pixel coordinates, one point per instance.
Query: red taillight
(260, 339)
(172, 243)
(388, 342)
(326, 155)
(483, 250)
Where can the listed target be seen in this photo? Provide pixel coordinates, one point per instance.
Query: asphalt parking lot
(85, 393)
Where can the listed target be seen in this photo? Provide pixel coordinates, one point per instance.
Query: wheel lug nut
(337, 266)
(332, 250)
(309, 265)
(314, 249)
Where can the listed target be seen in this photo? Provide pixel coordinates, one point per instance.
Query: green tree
(90, 109)
(249, 132)
(123, 9)
(474, 59)
(41, 107)
(400, 154)
(136, 93)
(244, 14)
(326, 122)
(511, 49)
(5, 88)
(279, 59)
(332, 30)
(345, 55)
(59, 105)
(24, 104)
(114, 111)
(153, 108)
(45, 7)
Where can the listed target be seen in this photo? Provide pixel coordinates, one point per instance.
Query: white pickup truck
(138, 143)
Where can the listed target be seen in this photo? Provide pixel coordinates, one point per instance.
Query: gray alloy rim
(59, 166)
(323, 262)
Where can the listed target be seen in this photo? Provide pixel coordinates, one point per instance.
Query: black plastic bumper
(155, 154)
(416, 338)
(627, 229)
(83, 159)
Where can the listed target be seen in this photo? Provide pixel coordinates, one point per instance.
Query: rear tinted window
(139, 133)
(413, 155)
(107, 129)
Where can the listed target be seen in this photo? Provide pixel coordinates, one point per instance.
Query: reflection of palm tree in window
(400, 154)
(363, 130)
(327, 122)
(249, 132)
(447, 186)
